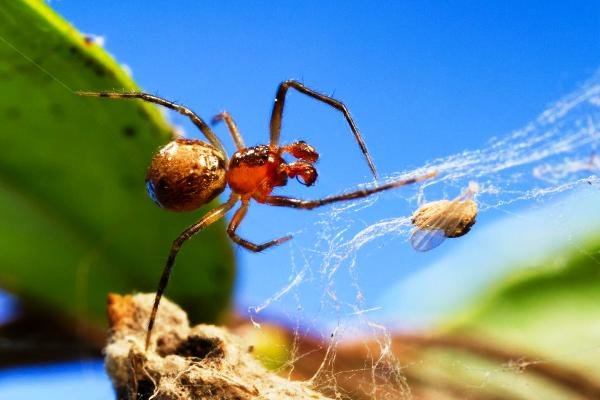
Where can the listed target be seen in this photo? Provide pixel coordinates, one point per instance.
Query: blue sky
(423, 79)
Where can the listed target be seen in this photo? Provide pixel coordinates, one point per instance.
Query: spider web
(537, 174)
(538, 166)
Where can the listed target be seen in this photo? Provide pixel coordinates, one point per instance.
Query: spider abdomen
(255, 171)
(186, 174)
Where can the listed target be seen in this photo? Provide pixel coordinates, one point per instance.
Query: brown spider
(186, 173)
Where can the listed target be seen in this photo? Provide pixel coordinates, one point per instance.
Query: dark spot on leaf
(74, 50)
(95, 66)
(200, 347)
(100, 71)
(129, 131)
(221, 273)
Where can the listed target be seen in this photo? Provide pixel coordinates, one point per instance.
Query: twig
(566, 377)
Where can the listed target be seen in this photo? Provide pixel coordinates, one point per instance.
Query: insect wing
(425, 240)
(430, 226)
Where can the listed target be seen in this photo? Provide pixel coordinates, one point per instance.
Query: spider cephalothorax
(186, 174)
(255, 171)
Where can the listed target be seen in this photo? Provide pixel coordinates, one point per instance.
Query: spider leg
(277, 115)
(210, 217)
(235, 222)
(284, 201)
(199, 122)
(233, 129)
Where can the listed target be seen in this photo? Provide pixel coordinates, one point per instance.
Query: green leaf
(76, 221)
(532, 336)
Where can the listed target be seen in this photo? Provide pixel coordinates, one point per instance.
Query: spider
(187, 173)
